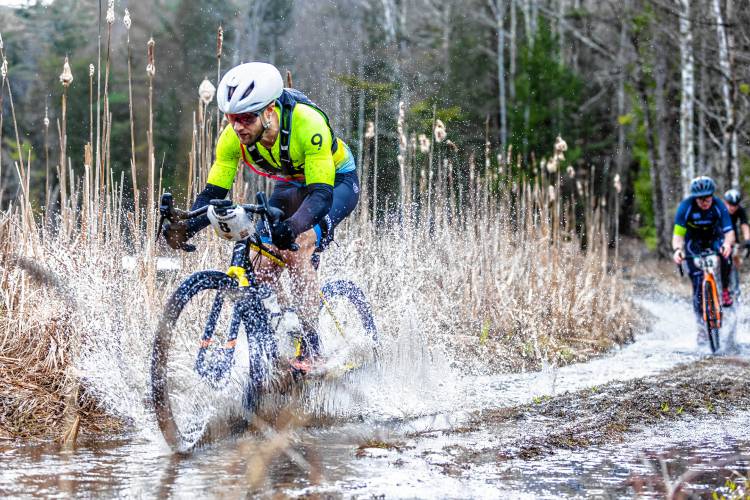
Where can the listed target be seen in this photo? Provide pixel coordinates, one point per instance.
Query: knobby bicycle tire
(712, 314)
(349, 291)
(257, 324)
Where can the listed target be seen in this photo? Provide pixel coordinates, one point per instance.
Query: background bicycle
(708, 262)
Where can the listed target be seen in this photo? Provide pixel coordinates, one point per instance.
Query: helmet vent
(248, 91)
(230, 92)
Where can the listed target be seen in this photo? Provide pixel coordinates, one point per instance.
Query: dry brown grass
(451, 263)
(498, 293)
(40, 394)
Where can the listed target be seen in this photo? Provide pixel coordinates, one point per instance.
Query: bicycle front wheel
(712, 313)
(348, 337)
(194, 374)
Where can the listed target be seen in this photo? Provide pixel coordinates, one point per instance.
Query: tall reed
(478, 258)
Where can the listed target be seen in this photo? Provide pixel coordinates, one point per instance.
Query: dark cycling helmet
(702, 186)
(733, 196)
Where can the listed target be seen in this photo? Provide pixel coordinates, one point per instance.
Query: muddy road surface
(653, 418)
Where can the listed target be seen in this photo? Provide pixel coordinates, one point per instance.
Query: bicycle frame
(709, 263)
(249, 307)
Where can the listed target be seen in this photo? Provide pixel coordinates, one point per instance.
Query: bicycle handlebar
(172, 214)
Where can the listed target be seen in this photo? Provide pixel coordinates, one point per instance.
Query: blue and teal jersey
(705, 225)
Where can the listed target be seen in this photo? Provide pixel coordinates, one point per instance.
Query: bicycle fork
(709, 278)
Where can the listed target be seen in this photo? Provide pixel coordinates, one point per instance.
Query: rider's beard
(266, 126)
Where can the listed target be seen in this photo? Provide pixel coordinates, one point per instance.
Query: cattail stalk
(91, 104)
(151, 71)
(133, 170)
(66, 78)
(219, 46)
(375, 168)
(3, 73)
(402, 143)
(6, 82)
(104, 181)
(98, 156)
(46, 158)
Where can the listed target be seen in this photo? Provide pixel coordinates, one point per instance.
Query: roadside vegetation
(504, 264)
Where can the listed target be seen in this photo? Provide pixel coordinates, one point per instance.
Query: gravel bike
(709, 262)
(198, 367)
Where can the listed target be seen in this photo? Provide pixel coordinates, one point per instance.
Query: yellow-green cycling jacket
(314, 166)
(309, 150)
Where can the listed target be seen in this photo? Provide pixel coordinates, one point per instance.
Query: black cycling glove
(176, 234)
(283, 235)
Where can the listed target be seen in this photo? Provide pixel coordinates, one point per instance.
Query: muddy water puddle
(405, 449)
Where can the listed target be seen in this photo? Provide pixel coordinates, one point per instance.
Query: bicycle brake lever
(679, 268)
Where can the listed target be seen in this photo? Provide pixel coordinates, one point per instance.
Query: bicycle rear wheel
(348, 337)
(712, 314)
(195, 374)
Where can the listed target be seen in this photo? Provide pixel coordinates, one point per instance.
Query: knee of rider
(306, 242)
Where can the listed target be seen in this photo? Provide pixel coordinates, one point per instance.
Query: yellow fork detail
(239, 274)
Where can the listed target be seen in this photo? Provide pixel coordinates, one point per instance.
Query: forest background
(647, 93)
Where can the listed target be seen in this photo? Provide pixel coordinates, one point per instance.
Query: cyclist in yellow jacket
(281, 134)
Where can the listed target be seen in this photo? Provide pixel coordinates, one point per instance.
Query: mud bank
(602, 415)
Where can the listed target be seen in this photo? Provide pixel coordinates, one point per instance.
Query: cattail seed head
(88, 157)
(92, 70)
(370, 131)
(618, 183)
(1, 40)
(151, 66)
(439, 131)
(4, 68)
(400, 126)
(66, 77)
(219, 41)
(206, 91)
(571, 172)
(552, 167)
(46, 118)
(551, 192)
(560, 145)
(111, 12)
(126, 19)
(424, 144)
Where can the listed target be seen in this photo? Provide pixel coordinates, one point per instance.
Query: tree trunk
(512, 52)
(687, 98)
(657, 198)
(701, 161)
(729, 147)
(668, 175)
(627, 176)
(499, 11)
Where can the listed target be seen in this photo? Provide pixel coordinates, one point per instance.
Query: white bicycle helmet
(249, 87)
